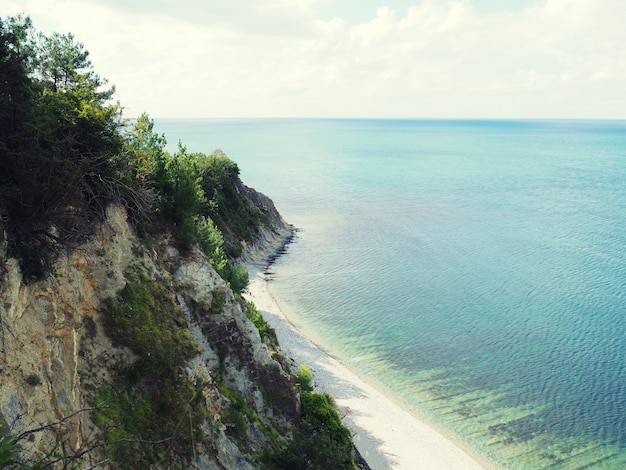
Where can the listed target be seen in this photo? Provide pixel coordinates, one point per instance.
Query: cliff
(125, 341)
(65, 362)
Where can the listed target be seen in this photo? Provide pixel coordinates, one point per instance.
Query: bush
(151, 409)
(8, 450)
(211, 242)
(320, 442)
(33, 379)
(227, 202)
(218, 301)
(304, 378)
(255, 316)
(239, 279)
(146, 318)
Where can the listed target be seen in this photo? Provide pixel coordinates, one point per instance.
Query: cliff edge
(71, 377)
(55, 353)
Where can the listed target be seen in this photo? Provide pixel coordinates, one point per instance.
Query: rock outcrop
(54, 353)
(272, 238)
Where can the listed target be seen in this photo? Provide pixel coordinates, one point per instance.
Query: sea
(473, 269)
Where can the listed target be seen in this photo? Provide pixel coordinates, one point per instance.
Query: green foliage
(226, 201)
(304, 378)
(320, 441)
(182, 196)
(255, 316)
(16, 91)
(147, 149)
(33, 379)
(218, 301)
(146, 319)
(151, 411)
(63, 63)
(211, 241)
(239, 278)
(60, 144)
(8, 450)
(235, 416)
(146, 427)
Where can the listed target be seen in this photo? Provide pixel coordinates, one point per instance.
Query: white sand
(386, 435)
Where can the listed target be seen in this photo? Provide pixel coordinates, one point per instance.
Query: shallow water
(477, 269)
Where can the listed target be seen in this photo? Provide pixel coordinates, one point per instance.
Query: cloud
(443, 58)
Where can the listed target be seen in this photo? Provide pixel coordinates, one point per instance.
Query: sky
(351, 58)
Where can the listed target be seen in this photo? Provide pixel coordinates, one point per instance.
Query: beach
(386, 435)
(472, 270)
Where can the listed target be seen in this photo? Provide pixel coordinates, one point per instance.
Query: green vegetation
(181, 182)
(268, 335)
(8, 449)
(146, 318)
(33, 379)
(66, 154)
(304, 378)
(235, 417)
(60, 145)
(226, 202)
(319, 442)
(218, 301)
(151, 411)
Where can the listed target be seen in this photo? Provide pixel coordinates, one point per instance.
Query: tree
(15, 85)
(147, 149)
(61, 144)
(61, 61)
(321, 441)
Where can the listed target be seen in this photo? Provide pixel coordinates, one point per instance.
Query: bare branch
(26, 433)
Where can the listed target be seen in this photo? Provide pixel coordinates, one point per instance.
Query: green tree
(61, 144)
(147, 149)
(227, 202)
(320, 441)
(182, 195)
(15, 85)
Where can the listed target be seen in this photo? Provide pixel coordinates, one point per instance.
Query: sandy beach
(385, 434)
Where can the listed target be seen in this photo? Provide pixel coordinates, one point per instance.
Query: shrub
(146, 318)
(320, 441)
(33, 379)
(8, 450)
(239, 279)
(227, 202)
(152, 411)
(211, 242)
(255, 316)
(304, 378)
(218, 301)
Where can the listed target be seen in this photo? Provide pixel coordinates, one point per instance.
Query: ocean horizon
(473, 269)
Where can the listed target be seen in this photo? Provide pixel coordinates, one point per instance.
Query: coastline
(385, 434)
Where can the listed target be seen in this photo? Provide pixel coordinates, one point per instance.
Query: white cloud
(554, 58)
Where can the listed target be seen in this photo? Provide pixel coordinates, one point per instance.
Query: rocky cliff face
(270, 239)
(55, 355)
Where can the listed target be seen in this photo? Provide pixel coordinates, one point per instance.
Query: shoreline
(385, 434)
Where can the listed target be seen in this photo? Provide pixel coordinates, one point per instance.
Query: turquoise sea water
(477, 269)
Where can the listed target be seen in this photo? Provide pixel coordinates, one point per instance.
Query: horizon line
(348, 118)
